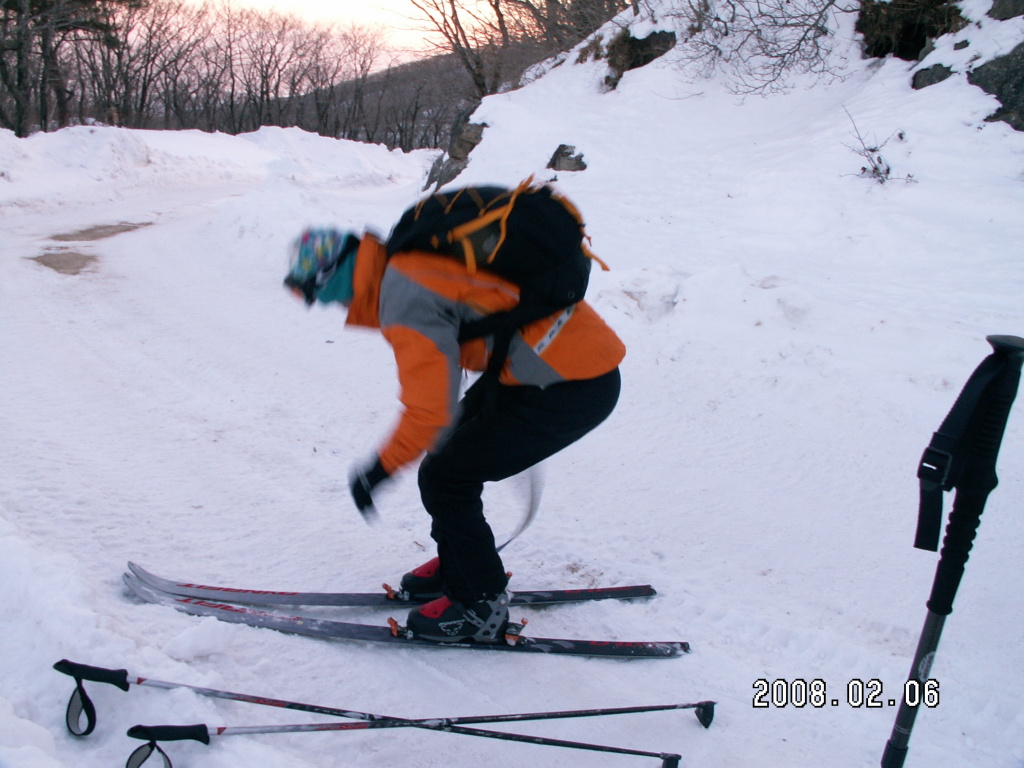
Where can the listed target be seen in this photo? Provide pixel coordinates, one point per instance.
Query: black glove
(361, 483)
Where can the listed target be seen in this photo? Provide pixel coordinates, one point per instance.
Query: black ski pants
(525, 426)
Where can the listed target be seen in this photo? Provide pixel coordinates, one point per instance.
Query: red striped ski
(339, 630)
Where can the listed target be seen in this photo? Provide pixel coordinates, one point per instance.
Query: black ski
(371, 599)
(338, 630)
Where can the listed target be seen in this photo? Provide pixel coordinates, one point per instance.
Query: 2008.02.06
(859, 694)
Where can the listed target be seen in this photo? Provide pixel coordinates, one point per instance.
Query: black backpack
(529, 235)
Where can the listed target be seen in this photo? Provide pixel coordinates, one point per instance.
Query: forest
(172, 64)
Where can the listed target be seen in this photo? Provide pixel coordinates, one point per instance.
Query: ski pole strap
(80, 705)
(143, 753)
(151, 734)
(969, 437)
(533, 504)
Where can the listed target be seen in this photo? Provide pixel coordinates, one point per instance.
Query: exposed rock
(904, 28)
(1006, 9)
(594, 49)
(565, 160)
(626, 52)
(930, 76)
(1004, 79)
(465, 137)
(465, 140)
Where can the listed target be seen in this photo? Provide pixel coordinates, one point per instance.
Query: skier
(560, 380)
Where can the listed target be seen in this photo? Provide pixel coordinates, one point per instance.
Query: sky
(795, 333)
(389, 14)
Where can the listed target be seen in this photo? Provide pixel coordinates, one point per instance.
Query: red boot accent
(428, 570)
(435, 608)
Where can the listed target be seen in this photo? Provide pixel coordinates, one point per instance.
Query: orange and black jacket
(418, 301)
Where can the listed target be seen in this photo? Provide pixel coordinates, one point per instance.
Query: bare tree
(496, 40)
(33, 37)
(173, 64)
(468, 37)
(418, 103)
(760, 43)
(180, 79)
(560, 24)
(327, 71)
(362, 50)
(273, 67)
(123, 78)
(17, 66)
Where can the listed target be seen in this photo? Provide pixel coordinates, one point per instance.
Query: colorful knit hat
(322, 265)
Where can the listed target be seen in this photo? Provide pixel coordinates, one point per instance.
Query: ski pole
(704, 710)
(204, 733)
(80, 705)
(962, 455)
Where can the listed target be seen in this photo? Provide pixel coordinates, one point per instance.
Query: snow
(795, 333)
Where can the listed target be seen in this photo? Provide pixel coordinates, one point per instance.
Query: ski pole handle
(979, 474)
(198, 732)
(1011, 345)
(80, 706)
(116, 677)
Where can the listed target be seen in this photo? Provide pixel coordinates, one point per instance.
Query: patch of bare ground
(66, 261)
(99, 232)
(71, 262)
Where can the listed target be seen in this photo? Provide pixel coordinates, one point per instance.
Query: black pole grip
(170, 733)
(1011, 345)
(118, 677)
(979, 477)
(956, 548)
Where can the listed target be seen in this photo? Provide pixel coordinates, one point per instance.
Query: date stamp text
(858, 694)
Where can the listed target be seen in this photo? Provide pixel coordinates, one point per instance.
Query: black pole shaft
(960, 534)
(896, 748)
(539, 740)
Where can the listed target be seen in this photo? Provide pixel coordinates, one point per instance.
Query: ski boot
(421, 583)
(448, 621)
